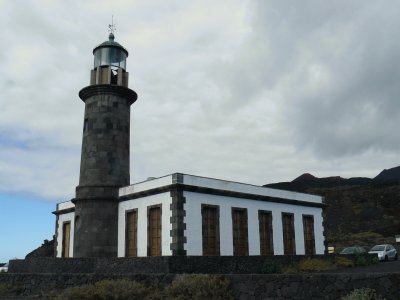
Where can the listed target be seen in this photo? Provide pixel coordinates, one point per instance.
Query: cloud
(331, 66)
(252, 91)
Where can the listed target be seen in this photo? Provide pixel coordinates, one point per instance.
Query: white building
(182, 214)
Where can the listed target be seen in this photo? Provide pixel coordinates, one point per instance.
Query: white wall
(146, 185)
(141, 205)
(65, 205)
(193, 221)
(69, 217)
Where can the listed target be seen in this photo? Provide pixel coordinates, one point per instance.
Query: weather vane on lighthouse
(111, 27)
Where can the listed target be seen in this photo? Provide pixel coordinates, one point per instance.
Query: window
(85, 125)
(289, 246)
(265, 228)
(154, 231)
(131, 233)
(114, 76)
(309, 240)
(210, 229)
(66, 236)
(239, 224)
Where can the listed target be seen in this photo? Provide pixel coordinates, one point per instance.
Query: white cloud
(253, 91)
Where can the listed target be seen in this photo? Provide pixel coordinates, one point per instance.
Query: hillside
(359, 210)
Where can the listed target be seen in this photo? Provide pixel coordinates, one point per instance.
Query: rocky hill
(45, 250)
(360, 210)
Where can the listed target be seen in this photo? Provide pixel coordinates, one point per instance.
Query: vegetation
(199, 287)
(343, 262)
(270, 266)
(351, 202)
(313, 265)
(110, 289)
(363, 294)
(375, 260)
(360, 260)
(365, 239)
(185, 287)
(9, 289)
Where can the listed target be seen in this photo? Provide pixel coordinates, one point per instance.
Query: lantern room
(109, 64)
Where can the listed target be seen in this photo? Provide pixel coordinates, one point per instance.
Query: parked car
(353, 250)
(384, 252)
(4, 267)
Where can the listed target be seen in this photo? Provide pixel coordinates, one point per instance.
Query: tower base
(96, 233)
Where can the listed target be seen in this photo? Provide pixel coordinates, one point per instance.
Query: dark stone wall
(157, 264)
(96, 227)
(104, 168)
(312, 286)
(298, 286)
(178, 214)
(105, 143)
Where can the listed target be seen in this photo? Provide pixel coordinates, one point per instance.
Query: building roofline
(208, 182)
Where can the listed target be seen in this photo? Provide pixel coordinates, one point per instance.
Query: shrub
(343, 262)
(185, 287)
(199, 287)
(9, 289)
(360, 260)
(290, 269)
(111, 289)
(375, 260)
(270, 266)
(363, 294)
(312, 265)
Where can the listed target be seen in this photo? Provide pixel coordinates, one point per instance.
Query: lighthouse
(104, 164)
(173, 215)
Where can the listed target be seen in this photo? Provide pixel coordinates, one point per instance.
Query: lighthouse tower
(105, 152)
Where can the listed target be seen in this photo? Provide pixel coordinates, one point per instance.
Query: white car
(384, 252)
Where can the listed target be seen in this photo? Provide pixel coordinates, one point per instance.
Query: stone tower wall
(104, 169)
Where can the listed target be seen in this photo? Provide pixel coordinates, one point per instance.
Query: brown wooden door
(210, 230)
(266, 239)
(66, 236)
(131, 233)
(289, 246)
(154, 231)
(309, 240)
(240, 241)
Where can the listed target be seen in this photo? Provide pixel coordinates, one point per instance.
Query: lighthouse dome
(110, 53)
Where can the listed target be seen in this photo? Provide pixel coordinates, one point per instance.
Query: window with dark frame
(154, 231)
(266, 232)
(66, 237)
(289, 245)
(309, 239)
(240, 235)
(85, 125)
(131, 233)
(210, 230)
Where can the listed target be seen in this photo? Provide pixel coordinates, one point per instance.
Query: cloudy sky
(250, 91)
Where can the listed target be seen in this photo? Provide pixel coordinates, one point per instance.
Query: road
(381, 267)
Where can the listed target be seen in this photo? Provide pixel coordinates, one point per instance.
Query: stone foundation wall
(160, 264)
(295, 286)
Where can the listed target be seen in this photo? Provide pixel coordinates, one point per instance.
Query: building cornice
(104, 89)
(217, 192)
(63, 211)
